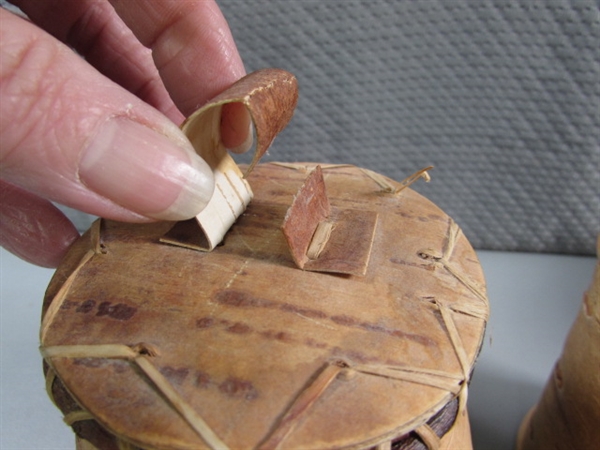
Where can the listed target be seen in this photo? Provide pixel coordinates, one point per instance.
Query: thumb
(70, 135)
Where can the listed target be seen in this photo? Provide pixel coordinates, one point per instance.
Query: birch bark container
(340, 310)
(568, 414)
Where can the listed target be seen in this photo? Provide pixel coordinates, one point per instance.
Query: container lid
(168, 347)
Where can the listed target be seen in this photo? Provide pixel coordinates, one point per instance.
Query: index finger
(191, 45)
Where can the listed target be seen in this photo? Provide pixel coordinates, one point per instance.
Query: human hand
(100, 134)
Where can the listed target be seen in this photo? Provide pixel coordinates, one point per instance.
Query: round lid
(169, 347)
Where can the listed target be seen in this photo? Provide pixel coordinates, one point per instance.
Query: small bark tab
(326, 239)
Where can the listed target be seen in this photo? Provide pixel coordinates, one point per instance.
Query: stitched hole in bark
(145, 349)
(558, 377)
(430, 254)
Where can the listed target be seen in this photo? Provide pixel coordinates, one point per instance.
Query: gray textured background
(501, 97)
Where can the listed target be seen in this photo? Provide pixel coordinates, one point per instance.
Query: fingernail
(146, 172)
(236, 128)
(247, 144)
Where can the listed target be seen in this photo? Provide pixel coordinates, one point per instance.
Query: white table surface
(534, 300)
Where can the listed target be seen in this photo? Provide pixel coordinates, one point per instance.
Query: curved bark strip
(270, 96)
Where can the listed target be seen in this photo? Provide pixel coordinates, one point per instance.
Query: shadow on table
(497, 404)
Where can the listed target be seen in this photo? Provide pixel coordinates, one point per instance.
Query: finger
(191, 44)
(95, 31)
(236, 127)
(33, 228)
(69, 134)
(195, 54)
